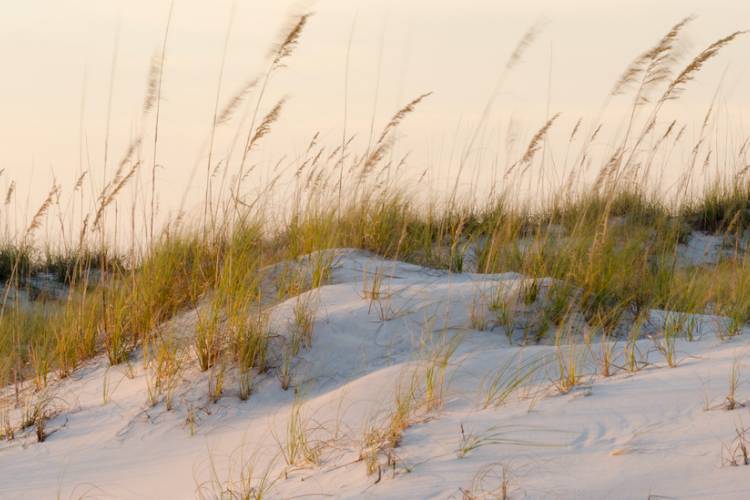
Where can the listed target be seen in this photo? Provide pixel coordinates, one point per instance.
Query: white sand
(625, 436)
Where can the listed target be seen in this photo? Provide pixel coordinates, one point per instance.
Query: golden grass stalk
(534, 145)
(677, 86)
(397, 118)
(289, 40)
(653, 65)
(36, 220)
(265, 125)
(227, 112)
(152, 82)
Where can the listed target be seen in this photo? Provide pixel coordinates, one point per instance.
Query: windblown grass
(611, 245)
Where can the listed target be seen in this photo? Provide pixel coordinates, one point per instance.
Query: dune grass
(612, 245)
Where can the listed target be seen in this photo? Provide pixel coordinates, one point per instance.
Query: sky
(59, 58)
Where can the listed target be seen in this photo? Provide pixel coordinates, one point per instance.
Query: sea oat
(536, 141)
(265, 124)
(652, 66)
(289, 40)
(231, 106)
(677, 86)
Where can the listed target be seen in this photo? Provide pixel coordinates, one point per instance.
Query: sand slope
(624, 436)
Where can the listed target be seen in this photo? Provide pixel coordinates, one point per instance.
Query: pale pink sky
(54, 51)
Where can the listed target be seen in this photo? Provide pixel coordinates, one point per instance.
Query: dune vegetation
(597, 259)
